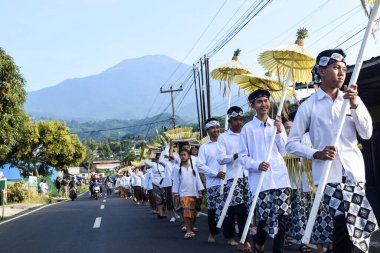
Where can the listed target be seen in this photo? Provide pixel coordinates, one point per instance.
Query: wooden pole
(208, 87)
(196, 99)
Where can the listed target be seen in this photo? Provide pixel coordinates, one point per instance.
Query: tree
(21, 153)
(128, 158)
(57, 147)
(12, 97)
(44, 145)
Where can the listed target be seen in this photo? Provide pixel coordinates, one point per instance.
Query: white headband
(211, 124)
(235, 114)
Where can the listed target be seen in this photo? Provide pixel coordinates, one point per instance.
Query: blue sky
(53, 40)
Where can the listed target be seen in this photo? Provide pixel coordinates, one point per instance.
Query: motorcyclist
(72, 186)
(96, 184)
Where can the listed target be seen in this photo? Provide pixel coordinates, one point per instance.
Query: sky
(54, 40)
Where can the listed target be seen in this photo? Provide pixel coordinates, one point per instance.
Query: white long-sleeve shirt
(319, 114)
(254, 144)
(168, 166)
(186, 184)
(157, 172)
(228, 145)
(126, 181)
(146, 182)
(137, 178)
(208, 164)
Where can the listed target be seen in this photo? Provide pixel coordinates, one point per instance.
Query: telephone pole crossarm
(172, 96)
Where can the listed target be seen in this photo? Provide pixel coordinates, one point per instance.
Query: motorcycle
(96, 191)
(73, 194)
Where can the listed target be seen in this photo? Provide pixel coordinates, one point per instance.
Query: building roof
(368, 81)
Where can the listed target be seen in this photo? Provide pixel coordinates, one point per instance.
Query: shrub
(16, 192)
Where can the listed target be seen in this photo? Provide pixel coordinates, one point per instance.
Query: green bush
(16, 192)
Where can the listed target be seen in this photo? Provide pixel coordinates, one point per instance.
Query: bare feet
(232, 242)
(211, 238)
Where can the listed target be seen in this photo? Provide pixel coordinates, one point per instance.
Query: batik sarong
(271, 204)
(188, 207)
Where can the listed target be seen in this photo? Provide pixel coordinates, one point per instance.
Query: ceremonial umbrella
(297, 63)
(291, 59)
(249, 83)
(227, 72)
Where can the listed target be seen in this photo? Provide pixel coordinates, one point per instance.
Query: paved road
(124, 227)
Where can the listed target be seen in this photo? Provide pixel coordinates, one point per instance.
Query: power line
(216, 36)
(253, 12)
(196, 42)
(118, 128)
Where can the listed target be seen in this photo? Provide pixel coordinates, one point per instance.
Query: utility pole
(201, 99)
(208, 88)
(203, 87)
(196, 99)
(171, 93)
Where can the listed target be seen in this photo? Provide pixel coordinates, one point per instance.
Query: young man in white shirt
(157, 171)
(209, 166)
(168, 160)
(274, 199)
(137, 178)
(228, 149)
(354, 220)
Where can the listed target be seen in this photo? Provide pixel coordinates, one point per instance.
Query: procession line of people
(176, 182)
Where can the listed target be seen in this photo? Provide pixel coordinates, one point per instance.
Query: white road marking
(97, 222)
(104, 200)
(102, 207)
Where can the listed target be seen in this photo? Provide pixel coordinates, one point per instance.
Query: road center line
(104, 200)
(97, 222)
(102, 207)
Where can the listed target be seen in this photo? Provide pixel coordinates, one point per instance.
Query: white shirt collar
(259, 123)
(321, 94)
(229, 131)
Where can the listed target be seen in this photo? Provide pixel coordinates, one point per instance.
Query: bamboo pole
(229, 197)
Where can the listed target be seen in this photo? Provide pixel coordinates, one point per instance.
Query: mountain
(124, 91)
(122, 129)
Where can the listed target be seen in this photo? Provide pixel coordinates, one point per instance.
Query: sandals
(183, 228)
(304, 248)
(195, 229)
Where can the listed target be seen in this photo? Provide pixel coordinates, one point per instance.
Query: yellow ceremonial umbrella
(249, 83)
(183, 133)
(227, 72)
(293, 60)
